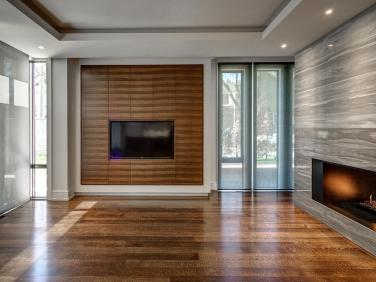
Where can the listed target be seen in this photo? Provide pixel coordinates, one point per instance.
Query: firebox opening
(348, 190)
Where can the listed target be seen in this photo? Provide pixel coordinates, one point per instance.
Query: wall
(335, 114)
(73, 91)
(59, 118)
(335, 106)
(62, 117)
(210, 165)
(14, 128)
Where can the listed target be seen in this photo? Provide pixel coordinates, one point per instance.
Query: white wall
(62, 172)
(210, 140)
(73, 91)
(59, 131)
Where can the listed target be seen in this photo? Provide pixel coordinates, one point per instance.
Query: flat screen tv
(141, 139)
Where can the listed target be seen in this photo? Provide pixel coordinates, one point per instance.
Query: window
(39, 129)
(231, 115)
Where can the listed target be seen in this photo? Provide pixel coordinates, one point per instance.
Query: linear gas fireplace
(348, 190)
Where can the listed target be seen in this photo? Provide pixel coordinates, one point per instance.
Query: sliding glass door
(267, 94)
(232, 85)
(255, 126)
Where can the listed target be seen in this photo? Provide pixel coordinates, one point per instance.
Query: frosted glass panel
(21, 94)
(4, 89)
(14, 128)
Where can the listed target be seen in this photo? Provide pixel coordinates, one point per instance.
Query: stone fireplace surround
(334, 186)
(335, 121)
(348, 190)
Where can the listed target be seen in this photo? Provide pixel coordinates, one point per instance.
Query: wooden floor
(229, 237)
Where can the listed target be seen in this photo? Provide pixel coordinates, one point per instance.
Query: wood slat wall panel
(142, 172)
(119, 97)
(189, 111)
(164, 109)
(94, 125)
(120, 90)
(165, 92)
(142, 93)
(119, 172)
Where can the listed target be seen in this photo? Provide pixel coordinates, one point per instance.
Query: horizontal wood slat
(94, 125)
(160, 92)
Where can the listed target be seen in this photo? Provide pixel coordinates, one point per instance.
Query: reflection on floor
(229, 237)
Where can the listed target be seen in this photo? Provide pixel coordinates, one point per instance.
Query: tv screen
(141, 139)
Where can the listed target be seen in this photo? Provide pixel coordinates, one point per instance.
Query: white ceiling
(303, 25)
(161, 13)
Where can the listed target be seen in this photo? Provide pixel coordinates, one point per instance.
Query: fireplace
(348, 190)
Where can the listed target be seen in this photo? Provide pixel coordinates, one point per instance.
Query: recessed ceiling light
(41, 47)
(330, 45)
(329, 12)
(284, 45)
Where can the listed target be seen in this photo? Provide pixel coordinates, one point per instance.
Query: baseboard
(61, 196)
(142, 190)
(142, 194)
(4, 213)
(71, 195)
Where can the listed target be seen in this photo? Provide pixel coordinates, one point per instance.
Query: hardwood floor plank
(227, 237)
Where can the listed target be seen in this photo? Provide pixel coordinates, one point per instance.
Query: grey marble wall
(335, 101)
(14, 128)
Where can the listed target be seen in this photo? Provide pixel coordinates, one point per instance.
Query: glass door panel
(231, 152)
(267, 128)
(255, 126)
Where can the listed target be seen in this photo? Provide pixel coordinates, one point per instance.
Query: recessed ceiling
(110, 14)
(170, 28)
